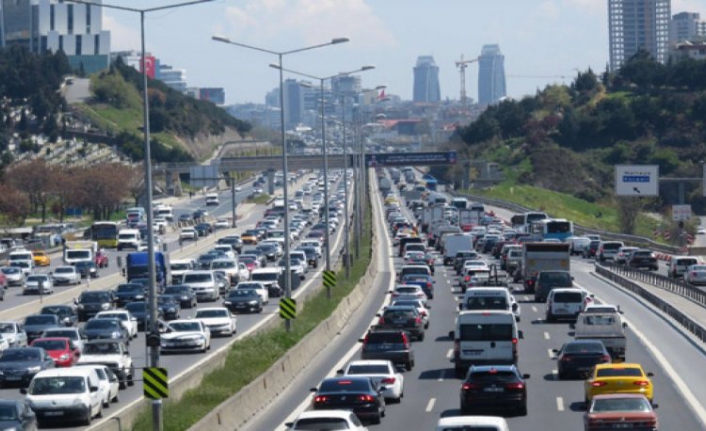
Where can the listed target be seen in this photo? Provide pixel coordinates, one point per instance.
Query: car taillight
(515, 385)
(470, 386)
(381, 321)
(467, 278)
(405, 340)
(423, 313)
(598, 384)
(565, 359)
(320, 399)
(606, 358)
(388, 381)
(530, 282)
(417, 320)
(366, 398)
(514, 341)
(641, 383)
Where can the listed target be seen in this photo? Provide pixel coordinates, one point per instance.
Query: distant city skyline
(491, 75)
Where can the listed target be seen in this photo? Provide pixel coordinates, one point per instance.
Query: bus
(522, 222)
(558, 228)
(431, 184)
(105, 233)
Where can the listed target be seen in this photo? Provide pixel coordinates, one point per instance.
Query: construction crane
(462, 64)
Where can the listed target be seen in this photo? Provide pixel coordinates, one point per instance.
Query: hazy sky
(543, 41)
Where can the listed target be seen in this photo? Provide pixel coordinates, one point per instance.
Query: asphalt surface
(431, 391)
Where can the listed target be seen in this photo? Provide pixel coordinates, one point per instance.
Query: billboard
(636, 180)
(410, 159)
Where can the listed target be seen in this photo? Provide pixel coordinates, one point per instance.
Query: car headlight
(252, 302)
(80, 306)
(105, 306)
(34, 369)
(139, 297)
(10, 429)
(78, 402)
(64, 357)
(171, 310)
(226, 302)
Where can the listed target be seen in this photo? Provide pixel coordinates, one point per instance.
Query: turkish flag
(149, 66)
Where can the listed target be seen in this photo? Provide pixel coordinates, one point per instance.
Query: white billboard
(681, 212)
(637, 180)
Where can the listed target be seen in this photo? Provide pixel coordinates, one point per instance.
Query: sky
(543, 41)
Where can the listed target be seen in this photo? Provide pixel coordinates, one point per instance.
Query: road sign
(155, 382)
(287, 308)
(637, 180)
(408, 159)
(204, 176)
(681, 212)
(329, 279)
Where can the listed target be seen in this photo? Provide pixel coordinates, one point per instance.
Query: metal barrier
(611, 273)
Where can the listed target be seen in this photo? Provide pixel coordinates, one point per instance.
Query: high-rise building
(293, 103)
(684, 26)
(635, 25)
(174, 78)
(426, 80)
(53, 25)
(214, 95)
(491, 75)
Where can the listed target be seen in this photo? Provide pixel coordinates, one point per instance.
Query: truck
(80, 251)
(455, 243)
(136, 267)
(468, 217)
(430, 214)
(395, 175)
(608, 328)
(385, 184)
(542, 256)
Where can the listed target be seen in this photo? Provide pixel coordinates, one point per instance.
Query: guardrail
(611, 273)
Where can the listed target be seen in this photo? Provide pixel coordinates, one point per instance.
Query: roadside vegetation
(252, 356)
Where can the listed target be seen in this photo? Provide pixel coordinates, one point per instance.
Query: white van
(212, 199)
(566, 303)
(677, 266)
(165, 212)
(484, 337)
(23, 259)
(129, 238)
(490, 298)
(471, 423)
(65, 394)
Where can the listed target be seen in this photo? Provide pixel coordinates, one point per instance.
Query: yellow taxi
(40, 258)
(622, 378)
(391, 200)
(249, 237)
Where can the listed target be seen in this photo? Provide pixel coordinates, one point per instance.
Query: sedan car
(358, 394)
(204, 229)
(66, 275)
(140, 310)
(38, 284)
(127, 320)
(250, 237)
(75, 335)
(18, 365)
(188, 233)
(623, 378)
(36, 324)
(186, 296)
(41, 258)
(425, 282)
(66, 313)
(620, 411)
(221, 223)
(185, 335)
(326, 420)
(243, 301)
(17, 415)
(129, 292)
(219, 320)
(14, 276)
(382, 372)
(578, 357)
(105, 329)
(494, 387)
(62, 350)
(404, 317)
(408, 290)
(696, 275)
(87, 269)
(170, 307)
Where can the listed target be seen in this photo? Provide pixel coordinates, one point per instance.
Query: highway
(175, 363)
(432, 392)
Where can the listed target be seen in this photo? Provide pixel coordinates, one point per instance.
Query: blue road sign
(636, 178)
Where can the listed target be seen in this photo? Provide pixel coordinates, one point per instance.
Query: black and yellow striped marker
(288, 308)
(155, 382)
(329, 279)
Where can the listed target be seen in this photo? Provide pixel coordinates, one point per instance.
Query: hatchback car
(358, 394)
(403, 317)
(696, 275)
(494, 387)
(578, 357)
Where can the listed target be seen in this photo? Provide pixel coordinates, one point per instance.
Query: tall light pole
(280, 66)
(321, 80)
(153, 336)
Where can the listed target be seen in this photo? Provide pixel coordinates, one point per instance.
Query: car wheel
(116, 398)
(89, 418)
(131, 379)
(122, 378)
(106, 403)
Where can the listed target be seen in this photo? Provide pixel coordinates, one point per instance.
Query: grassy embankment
(252, 356)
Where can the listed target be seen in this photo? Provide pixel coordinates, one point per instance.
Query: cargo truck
(468, 218)
(79, 251)
(542, 256)
(136, 267)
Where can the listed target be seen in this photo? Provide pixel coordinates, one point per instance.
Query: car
(221, 223)
(13, 333)
(696, 275)
(250, 237)
(141, 311)
(424, 281)
(470, 423)
(383, 372)
(358, 394)
(129, 292)
(112, 353)
(701, 230)
(87, 269)
(183, 293)
(66, 313)
(184, 218)
(204, 229)
(326, 420)
(108, 385)
(643, 258)
(494, 387)
(578, 357)
(25, 266)
(420, 304)
(188, 233)
(35, 324)
(14, 276)
(620, 411)
(185, 335)
(390, 344)
(235, 241)
(17, 415)
(219, 320)
(62, 350)
(591, 249)
(75, 335)
(621, 258)
(243, 300)
(408, 290)
(89, 303)
(199, 214)
(203, 284)
(18, 365)
(41, 258)
(624, 378)
(38, 284)
(169, 306)
(105, 328)
(66, 275)
(403, 317)
(127, 320)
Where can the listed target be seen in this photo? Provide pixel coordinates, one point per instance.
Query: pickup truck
(608, 328)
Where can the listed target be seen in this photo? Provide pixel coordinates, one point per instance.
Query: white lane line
(555, 375)
(534, 309)
(551, 353)
(546, 335)
(430, 405)
(450, 354)
(560, 404)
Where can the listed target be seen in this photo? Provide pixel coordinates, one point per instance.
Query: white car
(383, 372)
(66, 275)
(326, 420)
(185, 335)
(188, 233)
(38, 284)
(159, 225)
(127, 320)
(108, 383)
(219, 320)
(408, 290)
(227, 250)
(13, 333)
(221, 223)
(260, 288)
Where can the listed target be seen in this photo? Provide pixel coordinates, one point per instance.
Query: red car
(102, 259)
(620, 411)
(59, 349)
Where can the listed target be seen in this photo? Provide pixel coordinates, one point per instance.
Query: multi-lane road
(432, 391)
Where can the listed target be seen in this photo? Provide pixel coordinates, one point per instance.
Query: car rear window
(384, 337)
(368, 369)
(555, 279)
(619, 372)
(345, 385)
(612, 246)
(487, 303)
(400, 314)
(486, 332)
(318, 424)
(493, 376)
(583, 348)
(567, 297)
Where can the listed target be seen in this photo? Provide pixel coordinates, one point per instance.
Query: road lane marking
(546, 335)
(430, 405)
(555, 375)
(551, 353)
(442, 375)
(560, 404)
(534, 309)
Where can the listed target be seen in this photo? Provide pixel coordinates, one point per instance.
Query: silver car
(37, 284)
(14, 276)
(696, 274)
(203, 283)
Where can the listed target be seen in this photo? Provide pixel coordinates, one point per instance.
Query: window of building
(79, 43)
(70, 18)
(96, 45)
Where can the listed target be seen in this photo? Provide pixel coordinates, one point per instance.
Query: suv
(643, 258)
(403, 317)
(92, 301)
(549, 280)
(566, 304)
(114, 355)
(390, 344)
(608, 250)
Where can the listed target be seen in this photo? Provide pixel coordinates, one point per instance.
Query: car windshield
(619, 372)
(487, 303)
(197, 278)
(58, 385)
(119, 316)
(107, 323)
(8, 412)
(217, 264)
(201, 314)
(7, 328)
(621, 405)
(56, 309)
(20, 355)
(319, 424)
(101, 349)
(177, 290)
(265, 276)
(582, 347)
(368, 369)
(50, 344)
(166, 300)
(242, 293)
(95, 297)
(65, 270)
(344, 385)
(247, 259)
(10, 270)
(136, 307)
(40, 319)
(63, 333)
(185, 327)
(130, 288)
(36, 278)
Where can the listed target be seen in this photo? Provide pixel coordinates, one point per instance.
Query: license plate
(13, 378)
(54, 414)
(472, 352)
(622, 426)
(562, 311)
(493, 389)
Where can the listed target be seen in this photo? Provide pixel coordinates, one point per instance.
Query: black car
(204, 260)
(105, 329)
(204, 229)
(591, 249)
(129, 292)
(87, 268)
(17, 415)
(185, 218)
(494, 387)
(169, 306)
(269, 251)
(243, 301)
(361, 395)
(392, 345)
(403, 317)
(577, 358)
(199, 214)
(141, 311)
(91, 302)
(312, 258)
(36, 324)
(18, 365)
(234, 241)
(643, 258)
(183, 293)
(66, 313)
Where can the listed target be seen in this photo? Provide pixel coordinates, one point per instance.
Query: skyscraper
(685, 26)
(293, 103)
(491, 75)
(635, 25)
(426, 80)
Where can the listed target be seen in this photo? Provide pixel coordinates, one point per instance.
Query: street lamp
(153, 336)
(321, 80)
(280, 55)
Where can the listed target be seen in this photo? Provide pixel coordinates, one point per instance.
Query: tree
(628, 209)
(14, 206)
(63, 189)
(33, 179)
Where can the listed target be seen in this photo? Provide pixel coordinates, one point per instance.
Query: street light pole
(346, 253)
(285, 171)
